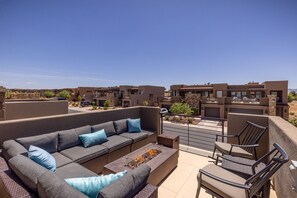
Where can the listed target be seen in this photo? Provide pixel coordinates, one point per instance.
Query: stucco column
(272, 105)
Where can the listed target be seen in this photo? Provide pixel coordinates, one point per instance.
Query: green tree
(49, 94)
(78, 98)
(8, 94)
(181, 108)
(292, 96)
(64, 94)
(106, 104)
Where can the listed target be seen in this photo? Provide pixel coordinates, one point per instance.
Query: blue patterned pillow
(91, 186)
(42, 158)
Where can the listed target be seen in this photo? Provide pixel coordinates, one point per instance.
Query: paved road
(201, 138)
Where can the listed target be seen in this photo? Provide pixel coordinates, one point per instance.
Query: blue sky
(56, 44)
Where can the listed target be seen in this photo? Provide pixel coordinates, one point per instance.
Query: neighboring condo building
(217, 100)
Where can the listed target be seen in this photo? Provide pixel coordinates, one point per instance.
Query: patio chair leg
(198, 190)
(214, 151)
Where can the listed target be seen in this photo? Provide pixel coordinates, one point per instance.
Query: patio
(182, 182)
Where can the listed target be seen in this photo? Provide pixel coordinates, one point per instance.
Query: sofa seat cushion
(147, 132)
(107, 126)
(135, 137)
(80, 154)
(69, 138)
(48, 142)
(74, 170)
(61, 160)
(116, 142)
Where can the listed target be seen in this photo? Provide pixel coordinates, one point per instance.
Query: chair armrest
(227, 136)
(244, 146)
(149, 191)
(233, 161)
(223, 180)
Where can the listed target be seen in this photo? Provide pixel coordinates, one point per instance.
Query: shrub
(181, 108)
(78, 98)
(106, 104)
(145, 103)
(292, 113)
(292, 96)
(64, 94)
(294, 121)
(49, 94)
(8, 94)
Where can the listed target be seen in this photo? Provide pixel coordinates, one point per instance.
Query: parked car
(84, 103)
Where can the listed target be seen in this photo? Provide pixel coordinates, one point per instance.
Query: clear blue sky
(59, 43)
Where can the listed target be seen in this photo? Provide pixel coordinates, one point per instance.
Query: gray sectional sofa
(72, 159)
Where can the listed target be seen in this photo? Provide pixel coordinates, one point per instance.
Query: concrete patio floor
(182, 182)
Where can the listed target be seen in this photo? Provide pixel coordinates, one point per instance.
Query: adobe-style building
(217, 100)
(124, 95)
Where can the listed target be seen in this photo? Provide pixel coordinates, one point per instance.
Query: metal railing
(194, 131)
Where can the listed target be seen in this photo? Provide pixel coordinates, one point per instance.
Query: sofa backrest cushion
(51, 185)
(121, 126)
(69, 138)
(107, 126)
(48, 142)
(12, 148)
(27, 170)
(129, 185)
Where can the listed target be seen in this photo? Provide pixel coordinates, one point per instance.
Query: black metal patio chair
(247, 142)
(226, 183)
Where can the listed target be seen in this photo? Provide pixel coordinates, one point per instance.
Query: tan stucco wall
(285, 134)
(12, 129)
(30, 109)
(237, 121)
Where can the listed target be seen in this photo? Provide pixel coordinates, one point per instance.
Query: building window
(205, 93)
(219, 94)
(278, 95)
(258, 94)
(173, 93)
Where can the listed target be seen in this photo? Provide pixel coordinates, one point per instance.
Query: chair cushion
(69, 138)
(218, 187)
(135, 136)
(236, 151)
(42, 158)
(107, 126)
(129, 185)
(51, 185)
(92, 139)
(121, 126)
(134, 125)
(116, 142)
(74, 170)
(61, 160)
(80, 154)
(48, 142)
(27, 170)
(91, 186)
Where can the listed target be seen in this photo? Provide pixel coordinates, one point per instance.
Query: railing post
(188, 131)
(223, 130)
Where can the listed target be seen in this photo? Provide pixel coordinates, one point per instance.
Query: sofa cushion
(74, 170)
(92, 139)
(107, 126)
(129, 185)
(121, 126)
(42, 158)
(51, 185)
(91, 186)
(116, 142)
(61, 160)
(80, 154)
(27, 170)
(134, 125)
(12, 148)
(135, 136)
(48, 142)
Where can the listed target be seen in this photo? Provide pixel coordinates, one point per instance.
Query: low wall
(11, 129)
(285, 134)
(237, 121)
(30, 109)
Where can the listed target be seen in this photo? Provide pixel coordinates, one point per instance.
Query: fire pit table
(161, 159)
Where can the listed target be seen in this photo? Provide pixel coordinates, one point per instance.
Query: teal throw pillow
(91, 186)
(92, 139)
(134, 125)
(42, 158)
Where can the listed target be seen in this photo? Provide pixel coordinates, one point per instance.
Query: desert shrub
(292, 113)
(145, 103)
(78, 98)
(49, 94)
(64, 94)
(292, 96)
(106, 103)
(181, 108)
(294, 121)
(8, 94)
(166, 117)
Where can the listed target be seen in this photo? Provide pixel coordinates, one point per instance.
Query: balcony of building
(197, 137)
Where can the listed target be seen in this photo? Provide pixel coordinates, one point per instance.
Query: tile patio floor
(182, 182)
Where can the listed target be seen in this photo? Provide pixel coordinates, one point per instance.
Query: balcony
(196, 142)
